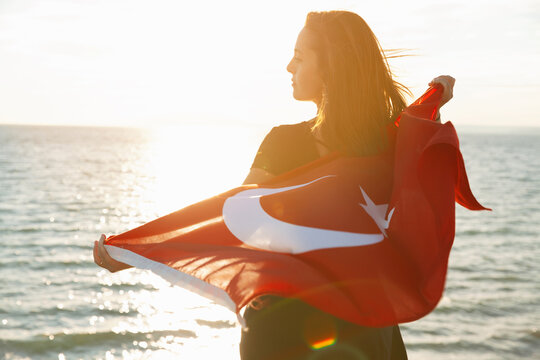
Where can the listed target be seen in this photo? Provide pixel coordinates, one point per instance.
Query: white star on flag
(377, 212)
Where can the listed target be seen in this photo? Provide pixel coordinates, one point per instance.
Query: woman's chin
(300, 97)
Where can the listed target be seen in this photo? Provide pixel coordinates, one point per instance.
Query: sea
(61, 187)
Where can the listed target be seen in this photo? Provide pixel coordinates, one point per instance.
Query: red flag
(366, 239)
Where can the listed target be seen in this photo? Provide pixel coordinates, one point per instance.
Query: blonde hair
(360, 98)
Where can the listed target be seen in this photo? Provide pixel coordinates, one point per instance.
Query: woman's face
(306, 79)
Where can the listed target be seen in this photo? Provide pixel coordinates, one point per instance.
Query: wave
(61, 342)
(515, 231)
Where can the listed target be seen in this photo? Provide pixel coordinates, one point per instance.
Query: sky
(169, 62)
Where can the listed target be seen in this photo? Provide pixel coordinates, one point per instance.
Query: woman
(339, 65)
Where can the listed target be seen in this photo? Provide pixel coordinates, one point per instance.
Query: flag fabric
(366, 239)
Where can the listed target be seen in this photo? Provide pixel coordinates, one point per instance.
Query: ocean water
(61, 187)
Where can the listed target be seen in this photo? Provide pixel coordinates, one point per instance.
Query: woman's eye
(297, 58)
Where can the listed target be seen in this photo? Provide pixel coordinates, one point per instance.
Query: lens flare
(323, 343)
(320, 331)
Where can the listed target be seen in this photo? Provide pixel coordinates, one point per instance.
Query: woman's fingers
(103, 255)
(99, 252)
(446, 81)
(97, 259)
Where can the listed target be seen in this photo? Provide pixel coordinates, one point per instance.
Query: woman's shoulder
(285, 147)
(291, 130)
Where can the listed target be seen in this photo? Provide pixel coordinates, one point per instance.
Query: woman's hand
(447, 83)
(103, 259)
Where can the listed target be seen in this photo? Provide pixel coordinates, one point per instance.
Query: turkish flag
(366, 239)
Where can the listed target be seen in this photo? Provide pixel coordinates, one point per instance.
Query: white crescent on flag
(250, 223)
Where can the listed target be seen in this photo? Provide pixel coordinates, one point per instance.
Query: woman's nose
(290, 67)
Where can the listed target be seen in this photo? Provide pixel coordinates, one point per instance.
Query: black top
(286, 147)
(282, 328)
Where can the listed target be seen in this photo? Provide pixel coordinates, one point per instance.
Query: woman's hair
(360, 97)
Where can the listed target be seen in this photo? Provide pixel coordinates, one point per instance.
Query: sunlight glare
(193, 162)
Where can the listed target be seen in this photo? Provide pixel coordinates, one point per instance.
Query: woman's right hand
(447, 83)
(103, 259)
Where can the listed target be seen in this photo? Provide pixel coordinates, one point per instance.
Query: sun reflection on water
(177, 167)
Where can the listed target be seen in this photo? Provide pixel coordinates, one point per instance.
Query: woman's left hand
(447, 83)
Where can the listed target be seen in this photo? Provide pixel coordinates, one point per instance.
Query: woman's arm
(104, 260)
(257, 176)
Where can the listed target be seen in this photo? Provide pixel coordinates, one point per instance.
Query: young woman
(339, 65)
